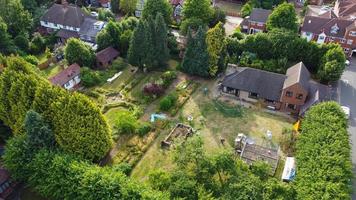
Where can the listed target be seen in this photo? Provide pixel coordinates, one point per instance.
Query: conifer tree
(138, 46)
(161, 49)
(196, 57)
(215, 39)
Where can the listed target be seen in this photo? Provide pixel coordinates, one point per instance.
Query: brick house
(105, 57)
(69, 21)
(256, 22)
(68, 78)
(337, 25)
(293, 92)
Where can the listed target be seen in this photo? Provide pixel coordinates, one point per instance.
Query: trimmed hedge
(324, 168)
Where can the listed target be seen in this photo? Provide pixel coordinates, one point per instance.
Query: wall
(244, 96)
(296, 89)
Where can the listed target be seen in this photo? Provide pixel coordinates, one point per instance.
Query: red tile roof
(107, 54)
(66, 75)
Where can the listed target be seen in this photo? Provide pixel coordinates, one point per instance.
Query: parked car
(346, 111)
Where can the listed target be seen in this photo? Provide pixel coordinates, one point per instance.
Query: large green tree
(6, 45)
(161, 50)
(128, 6)
(110, 36)
(153, 7)
(18, 19)
(284, 16)
(78, 52)
(138, 46)
(77, 123)
(196, 56)
(200, 9)
(332, 65)
(216, 44)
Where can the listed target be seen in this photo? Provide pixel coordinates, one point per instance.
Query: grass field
(52, 70)
(117, 84)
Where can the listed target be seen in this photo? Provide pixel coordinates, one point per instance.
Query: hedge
(324, 168)
(78, 125)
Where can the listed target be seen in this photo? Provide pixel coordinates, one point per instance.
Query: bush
(168, 77)
(119, 64)
(32, 59)
(172, 45)
(144, 128)
(153, 89)
(124, 41)
(22, 42)
(168, 102)
(126, 123)
(89, 78)
(38, 44)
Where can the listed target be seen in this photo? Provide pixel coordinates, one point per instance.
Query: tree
(284, 16)
(22, 42)
(38, 44)
(128, 6)
(246, 9)
(38, 132)
(126, 123)
(78, 52)
(153, 7)
(18, 19)
(105, 15)
(324, 122)
(6, 46)
(138, 46)
(332, 64)
(160, 42)
(103, 39)
(200, 9)
(216, 45)
(196, 56)
(125, 39)
(115, 6)
(191, 23)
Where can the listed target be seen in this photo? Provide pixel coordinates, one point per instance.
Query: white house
(68, 78)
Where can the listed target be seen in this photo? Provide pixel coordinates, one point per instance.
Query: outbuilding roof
(66, 75)
(107, 55)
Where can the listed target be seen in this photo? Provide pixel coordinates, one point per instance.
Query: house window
(321, 37)
(346, 50)
(308, 34)
(349, 41)
(292, 106)
(253, 95)
(300, 96)
(342, 41)
(352, 33)
(289, 94)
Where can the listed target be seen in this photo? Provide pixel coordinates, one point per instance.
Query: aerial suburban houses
(71, 22)
(256, 22)
(334, 25)
(294, 92)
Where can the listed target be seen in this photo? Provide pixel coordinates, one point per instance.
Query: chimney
(65, 3)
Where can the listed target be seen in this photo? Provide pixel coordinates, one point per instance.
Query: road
(346, 91)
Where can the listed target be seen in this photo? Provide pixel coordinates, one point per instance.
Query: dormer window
(334, 29)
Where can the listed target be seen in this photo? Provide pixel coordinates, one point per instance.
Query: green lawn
(136, 92)
(52, 70)
(120, 81)
(212, 124)
(112, 114)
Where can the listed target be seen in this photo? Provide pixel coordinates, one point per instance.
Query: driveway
(346, 96)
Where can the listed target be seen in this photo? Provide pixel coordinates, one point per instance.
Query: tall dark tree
(196, 57)
(115, 6)
(6, 46)
(161, 49)
(153, 7)
(138, 46)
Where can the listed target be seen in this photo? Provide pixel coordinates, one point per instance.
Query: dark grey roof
(317, 93)
(87, 28)
(259, 15)
(67, 34)
(267, 84)
(318, 25)
(66, 15)
(298, 73)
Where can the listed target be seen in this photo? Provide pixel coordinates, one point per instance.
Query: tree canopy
(77, 123)
(153, 7)
(216, 45)
(200, 9)
(76, 51)
(284, 16)
(128, 6)
(323, 154)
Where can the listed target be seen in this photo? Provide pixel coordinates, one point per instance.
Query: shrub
(168, 102)
(144, 128)
(153, 89)
(168, 77)
(119, 64)
(89, 78)
(172, 45)
(126, 123)
(32, 59)
(38, 44)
